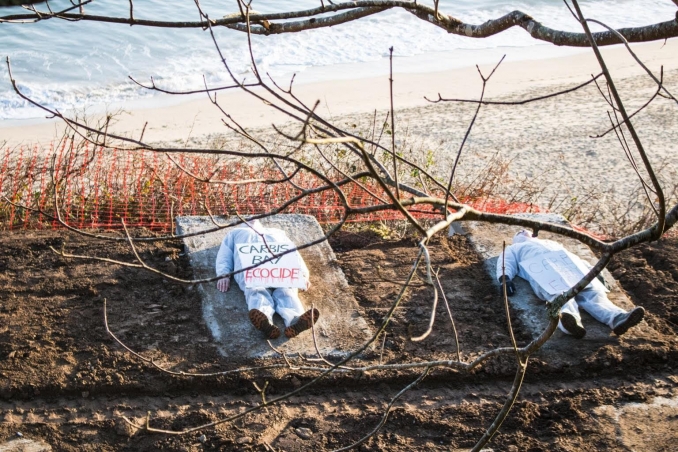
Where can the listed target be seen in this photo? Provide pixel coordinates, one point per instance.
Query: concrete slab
(640, 426)
(24, 445)
(340, 328)
(487, 239)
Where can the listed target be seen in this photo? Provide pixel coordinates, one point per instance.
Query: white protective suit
(284, 301)
(593, 299)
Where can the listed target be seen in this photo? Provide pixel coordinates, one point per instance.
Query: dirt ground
(65, 382)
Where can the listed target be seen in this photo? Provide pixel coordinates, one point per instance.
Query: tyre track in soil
(432, 408)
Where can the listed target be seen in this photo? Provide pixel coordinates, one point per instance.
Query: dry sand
(547, 142)
(179, 118)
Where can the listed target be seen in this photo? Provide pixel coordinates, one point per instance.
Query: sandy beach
(179, 117)
(529, 138)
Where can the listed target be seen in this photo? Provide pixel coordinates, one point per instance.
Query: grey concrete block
(456, 228)
(340, 328)
(24, 445)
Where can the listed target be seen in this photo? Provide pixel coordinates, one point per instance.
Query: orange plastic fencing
(99, 188)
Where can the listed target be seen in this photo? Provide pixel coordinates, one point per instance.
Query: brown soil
(64, 381)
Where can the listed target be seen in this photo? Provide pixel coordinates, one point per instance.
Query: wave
(82, 65)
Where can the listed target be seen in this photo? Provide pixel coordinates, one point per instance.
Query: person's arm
(507, 269)
(224, 263)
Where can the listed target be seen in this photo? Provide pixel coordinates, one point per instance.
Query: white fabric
(593, 299)
(522, 236)
(595, 303)
(283, 301)
(228, 260)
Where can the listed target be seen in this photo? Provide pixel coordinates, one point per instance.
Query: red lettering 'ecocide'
(272, 273)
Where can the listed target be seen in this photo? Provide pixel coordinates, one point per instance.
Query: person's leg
(595, 302)
(260, 299)
(287, 304)
(570, 320)
(290, 308)
(261, 310)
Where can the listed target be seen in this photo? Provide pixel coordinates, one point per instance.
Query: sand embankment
(181, 117)
(547, 143)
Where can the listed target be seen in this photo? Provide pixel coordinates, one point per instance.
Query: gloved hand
(510, 287)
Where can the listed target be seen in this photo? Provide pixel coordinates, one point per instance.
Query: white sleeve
(224, 263)
(510, 263)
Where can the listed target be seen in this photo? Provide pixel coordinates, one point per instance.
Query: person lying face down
(263, 302)
(593, 299)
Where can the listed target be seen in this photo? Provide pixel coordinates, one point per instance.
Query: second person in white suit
(593, 299)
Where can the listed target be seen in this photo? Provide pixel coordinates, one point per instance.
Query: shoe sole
(634, 319)
(305, 322)
(571, 325)
(261, 322)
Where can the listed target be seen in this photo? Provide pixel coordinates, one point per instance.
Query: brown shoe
(303, 323)
(622, 322)
(261, 322)
(572, 325)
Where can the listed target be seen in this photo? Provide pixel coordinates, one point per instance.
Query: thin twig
(470, 126)
(385, 416)
(661, 217)
(505, 297)
(432, 318)
(393, 132)
(510, 400)
(383, 343)
(517, 102)
(449, 312)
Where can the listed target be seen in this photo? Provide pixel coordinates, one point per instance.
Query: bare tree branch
(510, 400)
(517, 102)
(310, 150)
(636, 139)
(18, 2)
(470, 126)
(386, 412)
(363, 8)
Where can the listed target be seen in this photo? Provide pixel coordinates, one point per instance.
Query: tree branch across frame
(265, 24)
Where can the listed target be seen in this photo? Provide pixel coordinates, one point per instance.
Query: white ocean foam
(76, 65)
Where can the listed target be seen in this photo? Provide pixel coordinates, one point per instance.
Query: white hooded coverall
(284, 301)
(593, 299)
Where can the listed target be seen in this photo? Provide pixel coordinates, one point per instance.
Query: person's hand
(223, 284)
(510, 287)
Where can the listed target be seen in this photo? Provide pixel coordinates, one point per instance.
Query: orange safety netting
(98, 188)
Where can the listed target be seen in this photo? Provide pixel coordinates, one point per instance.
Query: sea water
(82, 65)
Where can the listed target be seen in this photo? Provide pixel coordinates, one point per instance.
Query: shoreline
(176, 118)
